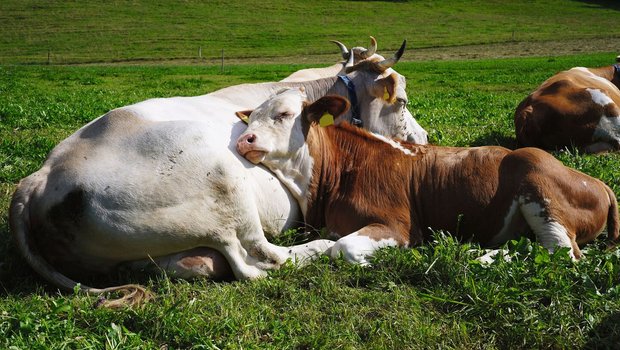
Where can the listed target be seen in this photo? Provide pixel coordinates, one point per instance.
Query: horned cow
(160, 181)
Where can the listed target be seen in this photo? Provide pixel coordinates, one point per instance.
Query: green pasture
(435, 296)
(64, 63)
(74, 31)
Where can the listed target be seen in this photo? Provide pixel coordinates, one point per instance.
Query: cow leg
(250, 260)
(358, 246)
(189, 264)
(210, 263)
(600, 147)
(302, 254)
(491, 254)
(549, 232)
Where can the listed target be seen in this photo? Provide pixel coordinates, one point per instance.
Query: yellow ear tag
(245, 119)
(386, 95)
(326, 120)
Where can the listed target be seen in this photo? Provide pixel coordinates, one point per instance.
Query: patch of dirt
(517, 49)
(459, 52)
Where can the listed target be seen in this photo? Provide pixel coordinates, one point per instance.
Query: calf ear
(334, 105)
(244, 115)
(386, 88)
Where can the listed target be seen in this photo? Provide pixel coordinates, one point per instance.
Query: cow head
(278, 128)
(383, 100)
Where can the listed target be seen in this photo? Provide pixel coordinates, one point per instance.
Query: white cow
(161, 181)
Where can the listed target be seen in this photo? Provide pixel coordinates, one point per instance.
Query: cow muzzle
(247, 148)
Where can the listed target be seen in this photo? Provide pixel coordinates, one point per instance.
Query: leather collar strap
(355, 113)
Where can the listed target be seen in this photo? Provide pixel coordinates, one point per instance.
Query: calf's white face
(276, 137)
(274, 128)
(277, 128)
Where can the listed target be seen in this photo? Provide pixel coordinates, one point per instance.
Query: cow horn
(388, 63)
(343, 49)
(350, 60)
(371, 50)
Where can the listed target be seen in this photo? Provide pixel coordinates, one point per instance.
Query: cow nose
(245, 143)
(249, 138)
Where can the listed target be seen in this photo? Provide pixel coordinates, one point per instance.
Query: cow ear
(332, 105)
(244, 115)
(385, 88)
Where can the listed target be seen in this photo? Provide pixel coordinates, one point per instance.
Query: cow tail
(19, 215)
(613, 222)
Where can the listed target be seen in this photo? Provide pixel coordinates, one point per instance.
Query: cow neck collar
(355, 108)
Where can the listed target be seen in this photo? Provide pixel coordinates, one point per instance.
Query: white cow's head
(382, 99)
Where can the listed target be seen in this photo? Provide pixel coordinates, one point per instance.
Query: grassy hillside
(106, 31)
(436, 296)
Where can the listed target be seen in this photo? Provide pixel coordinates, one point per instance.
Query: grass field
(138, 31)
(435, 296)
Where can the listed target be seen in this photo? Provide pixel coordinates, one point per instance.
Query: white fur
(599, 97)
(489, 256)
(548, 232)
(608, 129)
(394, 144)
(356, 249)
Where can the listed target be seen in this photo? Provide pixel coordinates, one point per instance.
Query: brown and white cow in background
(578, 107)
(160, 181)
(373, 191)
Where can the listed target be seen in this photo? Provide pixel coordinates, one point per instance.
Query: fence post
(222, 64)
(200, 52)
(48, 56)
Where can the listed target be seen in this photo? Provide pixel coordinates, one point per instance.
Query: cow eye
(401, 101)
(283, 115)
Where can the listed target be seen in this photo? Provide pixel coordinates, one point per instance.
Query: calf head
(277, 133)
(278, 128)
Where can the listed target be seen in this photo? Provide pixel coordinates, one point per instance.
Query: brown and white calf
(375, 192)
(578, 107)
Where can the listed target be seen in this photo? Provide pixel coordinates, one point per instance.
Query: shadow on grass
(606, 335)
(495, 138)
(609, 4)
(18, 279)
